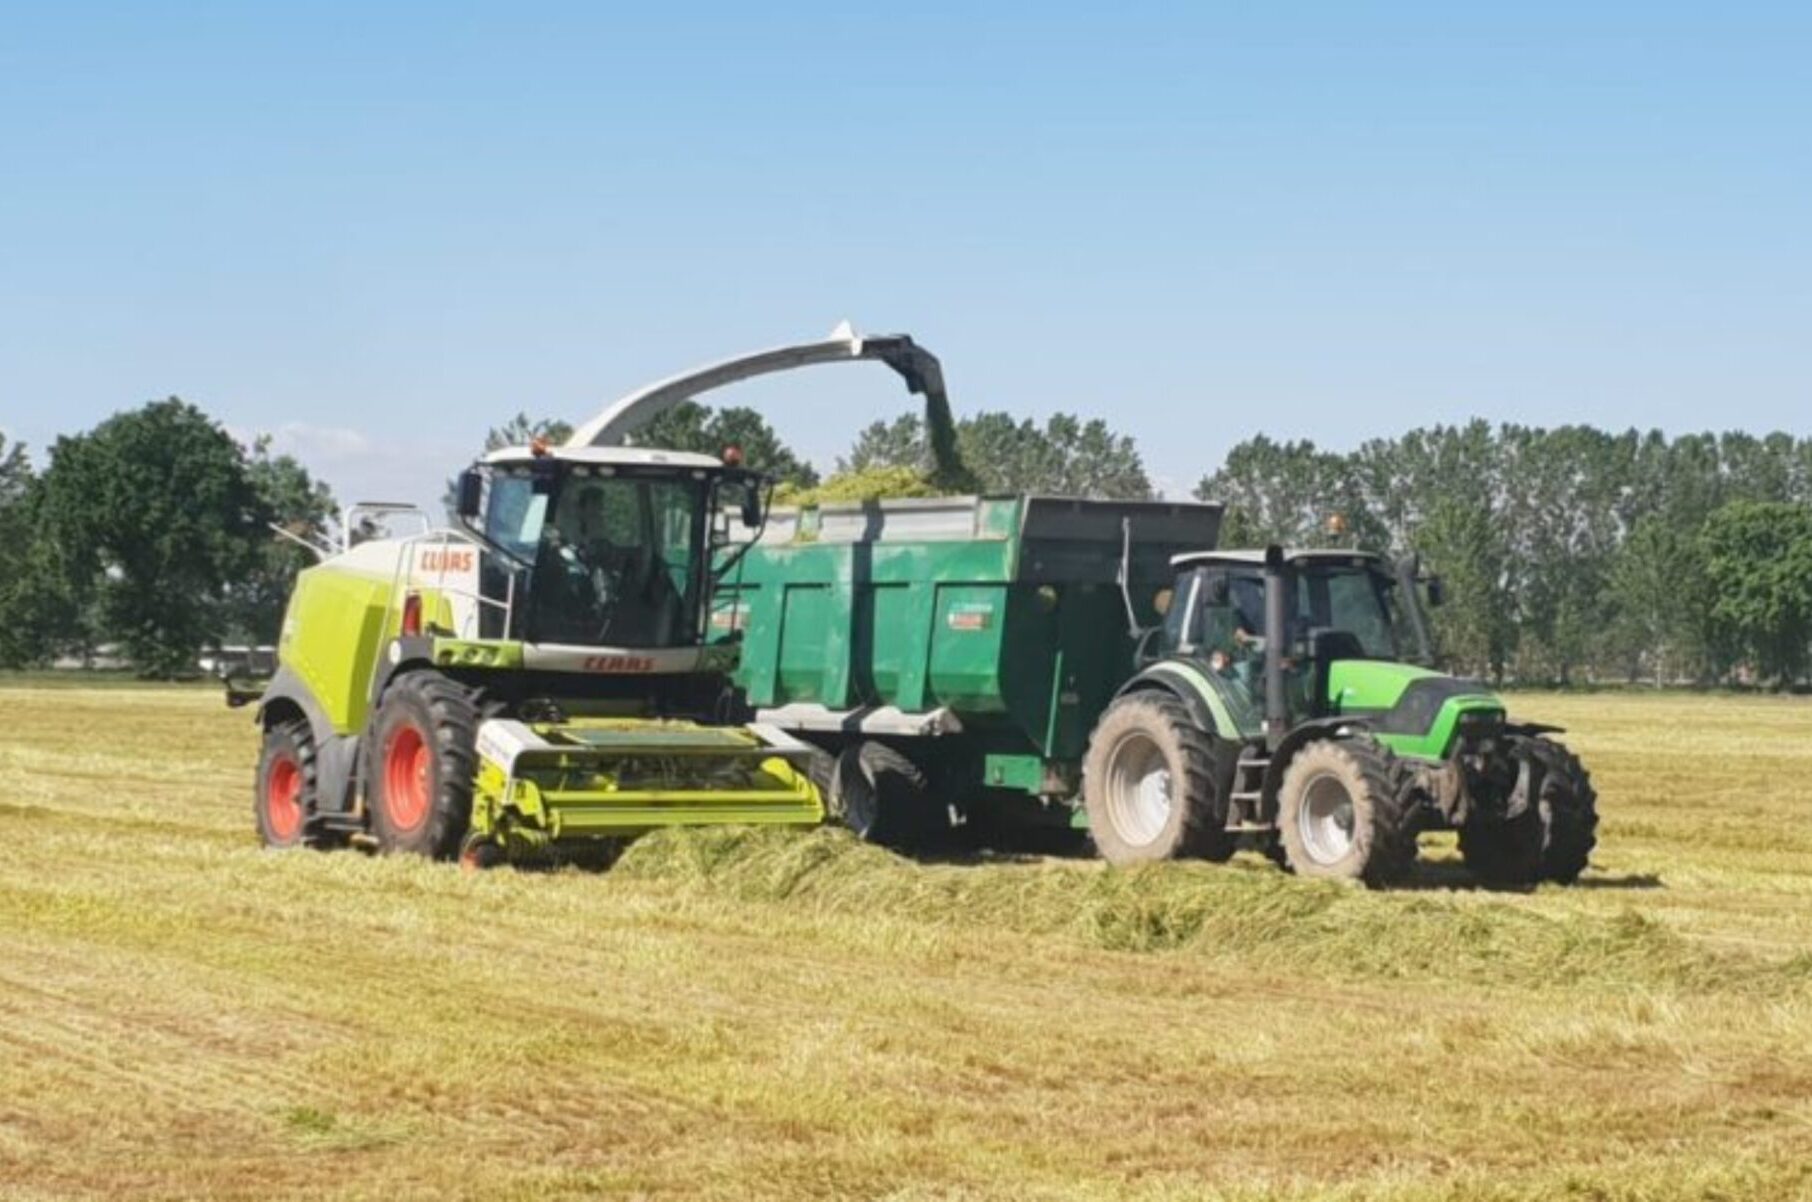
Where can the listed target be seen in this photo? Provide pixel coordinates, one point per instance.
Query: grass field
(728, 1016)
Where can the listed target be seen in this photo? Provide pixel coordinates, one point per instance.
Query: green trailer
(952, 653)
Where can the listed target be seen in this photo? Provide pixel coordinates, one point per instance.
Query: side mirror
(751, 505)
(1218, 590)
(471, 493)
(1437, 592)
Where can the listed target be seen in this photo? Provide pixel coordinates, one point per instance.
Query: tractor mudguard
(1534, 730)
(406, 653)
(1215, 709)
(336, 755)
(1303, 733)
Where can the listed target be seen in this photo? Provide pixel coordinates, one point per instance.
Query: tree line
(150, 533)
(1570, 554)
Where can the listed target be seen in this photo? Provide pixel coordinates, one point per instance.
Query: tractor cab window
(1216, 610)
(1233, 613)
(1357, 600)
(617, 563)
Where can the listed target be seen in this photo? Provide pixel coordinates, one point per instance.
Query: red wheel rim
(406, 777)
(283, 798)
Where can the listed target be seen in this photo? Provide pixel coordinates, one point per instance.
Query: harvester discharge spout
(918, 367)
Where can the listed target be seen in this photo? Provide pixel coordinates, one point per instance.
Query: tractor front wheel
(284, 797)
(421, 765)
(1344, 811)
(1504, 853)
(1148, 783)
(1569, 812)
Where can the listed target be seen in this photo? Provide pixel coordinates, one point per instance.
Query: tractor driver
(1233, 623)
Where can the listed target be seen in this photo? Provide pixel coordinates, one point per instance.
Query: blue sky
(374, 230)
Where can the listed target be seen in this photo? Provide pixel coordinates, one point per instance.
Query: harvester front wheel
(285, 793)
(1148, 783)
(421, 766)
(1344, 812)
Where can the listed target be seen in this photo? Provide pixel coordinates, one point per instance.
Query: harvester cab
(1294, 700)
(543, 677)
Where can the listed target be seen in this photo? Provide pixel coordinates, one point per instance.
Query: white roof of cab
(638, 456)
(1257, 557)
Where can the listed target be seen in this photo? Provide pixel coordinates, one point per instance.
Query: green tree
(154, 514)
(15, 472)
(1758, 560)
(300, 505)
(1475, 629)
(18, 540)
(1294, 494)
(690, 426)
(1064, 457)
(1659, 596)
(898, 443)
(520, 431)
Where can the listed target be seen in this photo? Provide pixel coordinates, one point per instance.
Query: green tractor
(1291, 701)
(544, 679)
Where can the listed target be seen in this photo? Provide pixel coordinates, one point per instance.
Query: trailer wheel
(284, 796)
(882, 796)
(1344, 812)
(1568, 806)
(1148, 783)
(421, 766)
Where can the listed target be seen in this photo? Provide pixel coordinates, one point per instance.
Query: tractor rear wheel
(284, 797)
(1344, 811)
(1148, 783)
(883, 797)
(421, 766)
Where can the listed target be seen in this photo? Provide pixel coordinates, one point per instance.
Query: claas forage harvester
(542, 679)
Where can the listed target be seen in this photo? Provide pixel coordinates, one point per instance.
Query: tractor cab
(1333, 606)
(603, 547)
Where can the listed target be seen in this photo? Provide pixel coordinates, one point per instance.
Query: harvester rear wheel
(284, 797)
(1344, 811)
(883, 797)
(1148, 783)
(421, 766)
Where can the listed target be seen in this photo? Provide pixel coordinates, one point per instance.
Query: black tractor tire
(1505, 854)
(1148, 784)
(883, 798)
(421, 764)
(1345, 811)
(1568, 805)
(283, 797)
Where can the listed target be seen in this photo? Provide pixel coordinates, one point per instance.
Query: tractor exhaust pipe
(1277, 710)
